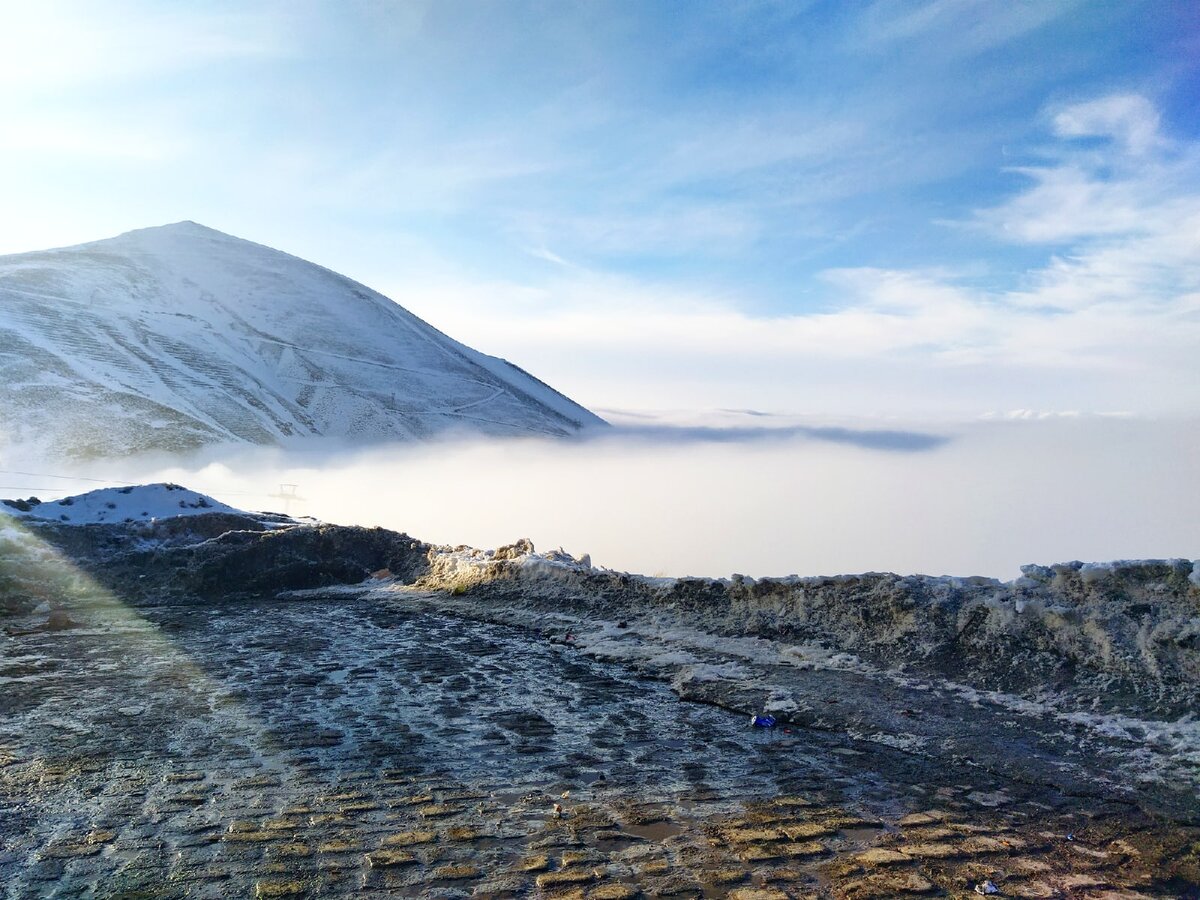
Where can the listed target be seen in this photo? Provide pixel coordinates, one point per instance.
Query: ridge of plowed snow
(173, 337)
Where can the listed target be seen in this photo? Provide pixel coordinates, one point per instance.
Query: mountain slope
(173, 337)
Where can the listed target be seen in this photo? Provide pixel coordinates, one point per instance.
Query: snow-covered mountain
(174, 337)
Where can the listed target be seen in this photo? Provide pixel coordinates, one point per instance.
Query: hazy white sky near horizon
(938, 209)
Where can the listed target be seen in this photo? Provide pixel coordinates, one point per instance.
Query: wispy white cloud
(1068, 203)
(421, 173)
(1130, 119)
(1136, 182)
(715, 228)
(1114, 323)
(952, 27)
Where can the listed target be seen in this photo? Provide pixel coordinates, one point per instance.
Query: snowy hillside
(135, 503)
(173, 337)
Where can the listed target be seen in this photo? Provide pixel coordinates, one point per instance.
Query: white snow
(177, 336)
(140, 503)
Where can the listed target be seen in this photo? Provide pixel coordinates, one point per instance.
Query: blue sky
(929, 208)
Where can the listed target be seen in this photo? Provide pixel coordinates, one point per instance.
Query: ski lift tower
(287, 493)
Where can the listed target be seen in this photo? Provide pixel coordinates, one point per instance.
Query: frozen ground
(213, 705)
(176, 751)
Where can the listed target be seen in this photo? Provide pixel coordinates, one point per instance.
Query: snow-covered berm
(111, 505)
(174, 337)
(1124, 634)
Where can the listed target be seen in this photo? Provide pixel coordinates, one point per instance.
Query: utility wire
(103, 481)
(70, 477)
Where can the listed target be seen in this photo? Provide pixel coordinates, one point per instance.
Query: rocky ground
(421, 735)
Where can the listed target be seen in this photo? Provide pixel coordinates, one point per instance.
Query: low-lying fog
(979, 498)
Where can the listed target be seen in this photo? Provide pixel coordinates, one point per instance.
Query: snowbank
(1124, 634)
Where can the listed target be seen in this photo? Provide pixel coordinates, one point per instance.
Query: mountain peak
(187, 336)
(188, 225)
(184, 229)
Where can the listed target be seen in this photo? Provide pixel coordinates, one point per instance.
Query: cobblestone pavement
(362, 748)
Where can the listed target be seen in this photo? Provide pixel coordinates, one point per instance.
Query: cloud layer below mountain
(732, 497)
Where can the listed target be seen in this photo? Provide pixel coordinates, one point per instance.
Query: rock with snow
(111, 505)
(174, 337)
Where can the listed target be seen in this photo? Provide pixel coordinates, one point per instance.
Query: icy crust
(1082, 682)
(1124, 634)
(133, 503)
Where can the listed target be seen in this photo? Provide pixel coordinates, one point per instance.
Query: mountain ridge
(177, 336)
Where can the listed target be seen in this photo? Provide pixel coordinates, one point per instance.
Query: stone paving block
(548, 880)
(757, 894)
(881, 856)
(456, 872)
(271, 889)
(380, 859)
(409, 838)
(886, 885)
(932, 851)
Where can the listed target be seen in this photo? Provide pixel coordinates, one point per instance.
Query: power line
(101, 481)
(108, 481)
(70, 477)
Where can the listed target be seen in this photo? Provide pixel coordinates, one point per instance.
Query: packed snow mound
(174, 337)
(140, 503)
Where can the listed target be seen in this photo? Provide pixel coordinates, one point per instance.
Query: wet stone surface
(360, 748)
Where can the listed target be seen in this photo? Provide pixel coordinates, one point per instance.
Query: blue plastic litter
(762, 721)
